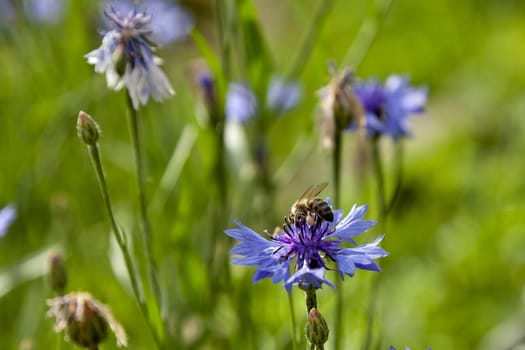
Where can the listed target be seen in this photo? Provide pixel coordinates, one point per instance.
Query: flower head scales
(388, 106)
(126, 57)
(308, 249)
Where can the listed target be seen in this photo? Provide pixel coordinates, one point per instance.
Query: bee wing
(314, 190)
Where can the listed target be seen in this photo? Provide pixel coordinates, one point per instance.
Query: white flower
(126, 56)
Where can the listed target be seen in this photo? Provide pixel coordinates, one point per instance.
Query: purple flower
(241, 103)
(7, 216)
(281, 95)
(406, 348)
(309, 250)
(388, 106)
(127, 59)
(169, 22)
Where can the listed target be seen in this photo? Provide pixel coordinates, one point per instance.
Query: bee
(308, 207)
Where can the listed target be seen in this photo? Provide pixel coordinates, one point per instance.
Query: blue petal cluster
(7, 216)
(282, 95)
(127, 59)
(308, 250)
(388, 106)
(241, 103)
(406, 348)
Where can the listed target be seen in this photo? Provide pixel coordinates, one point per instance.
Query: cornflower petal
(241, 103)
(306, 249)
(388, 106)
(282, 95)
(353, 225)
(126, 57)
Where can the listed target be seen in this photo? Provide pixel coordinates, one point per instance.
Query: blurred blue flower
(388, 106)
(127, 59)
(7, 216)
(281, 95)
(241, 103)
(169, 22)
(45, 11)
(311, 247)
(406, 348)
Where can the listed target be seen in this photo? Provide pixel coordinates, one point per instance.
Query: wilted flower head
(282, 95)
(338, 107)
(308, 250)
(126, 56)
(84, 319)
(388, 106)
(241, 103)
(7, 216)
(169, 22)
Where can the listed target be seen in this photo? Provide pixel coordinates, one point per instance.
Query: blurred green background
(454, 277)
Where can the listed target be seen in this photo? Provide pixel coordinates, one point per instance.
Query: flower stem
(307, 45)
(380, 181)
(146, 226)
(121, 241)
(398, 164)
(293, 322)
(366, 35)
(336, 174)
(383, 212)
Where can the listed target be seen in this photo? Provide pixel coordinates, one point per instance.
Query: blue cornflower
(241, 103)
(282, 95)
(45, 11)
(406, 348)
(308, 250)
(7, 216)
(388, 106)
(169, 22)
(126, 56)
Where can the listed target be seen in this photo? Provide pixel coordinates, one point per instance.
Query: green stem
(225, 37)
(307, 45)
(146, 226)
(121, 241)
(336, 174)
(380, 180)
(383, 212)
(366, 36)
(399, 155)
(293, 322)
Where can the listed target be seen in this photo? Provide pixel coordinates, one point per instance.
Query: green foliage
(454, 277)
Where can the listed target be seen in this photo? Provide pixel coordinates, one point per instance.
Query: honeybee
(308, 207)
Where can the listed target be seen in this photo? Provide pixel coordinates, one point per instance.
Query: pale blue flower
(241, 103)
(282, 95)
(7, 216)
(308, 250)
(45, 11)
(126, 58)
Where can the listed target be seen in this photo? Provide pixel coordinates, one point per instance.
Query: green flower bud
(57, 274)
(87, 129)
(316, 328)
(85, 320)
